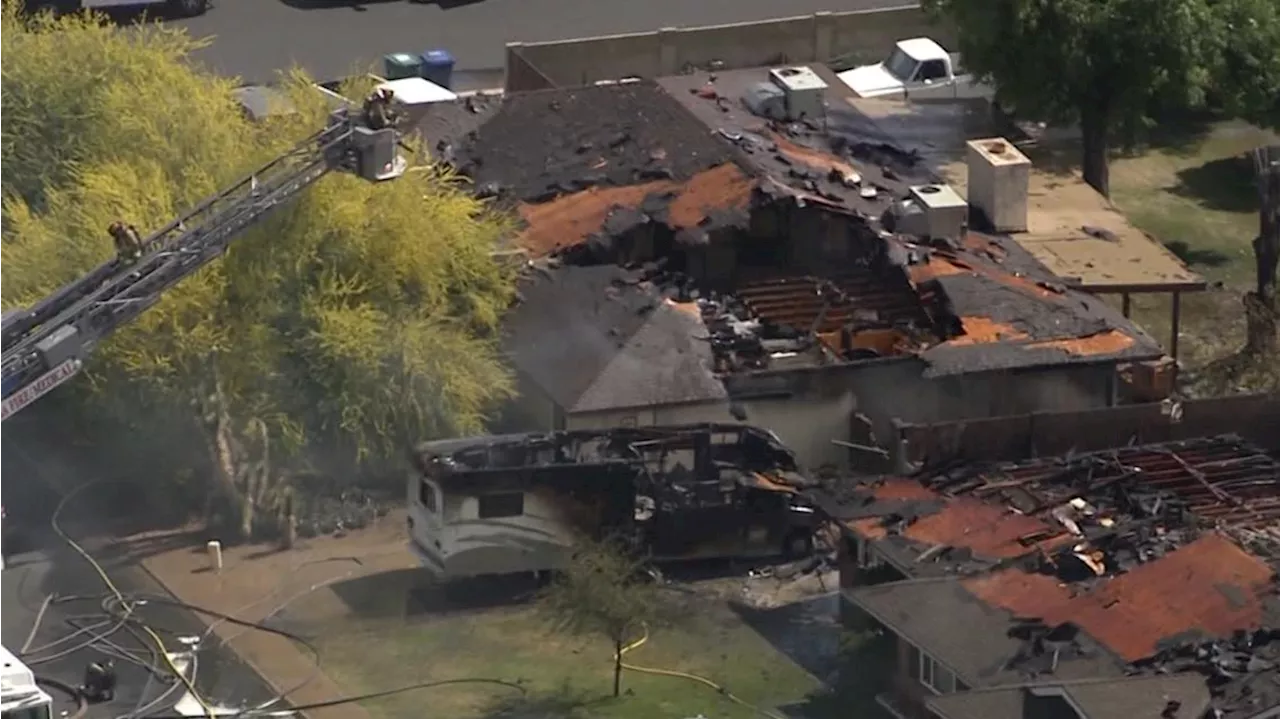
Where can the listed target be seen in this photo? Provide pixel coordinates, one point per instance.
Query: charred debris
(784, 236)
(1162, 556)
(674, 492)
(1081, 517)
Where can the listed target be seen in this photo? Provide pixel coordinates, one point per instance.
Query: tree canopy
(356, 319)
(1107, 64)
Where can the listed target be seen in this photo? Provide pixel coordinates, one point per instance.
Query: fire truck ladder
(46, 344)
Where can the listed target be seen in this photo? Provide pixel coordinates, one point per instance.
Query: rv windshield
(900, 65)
(41, 711)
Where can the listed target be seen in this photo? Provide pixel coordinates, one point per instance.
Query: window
(900, 65)
(34, 712)
(932, 70)
(427, 495)
(498, 506)
(935, 676)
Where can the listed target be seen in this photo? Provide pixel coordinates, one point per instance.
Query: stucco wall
(807, 410)
(864, 36)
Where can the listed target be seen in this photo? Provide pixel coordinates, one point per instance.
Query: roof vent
(804, 91)
(945, 212)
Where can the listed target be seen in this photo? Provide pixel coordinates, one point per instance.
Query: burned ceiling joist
(1106, 512)
(773, 229)
(1163, 557)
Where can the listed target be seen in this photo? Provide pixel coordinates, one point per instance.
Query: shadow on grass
(1201, 256)
(806, 632)
(1181, 136)
(1225, 184)
(865, 660)
(1180, 133)
(405, 593)
(563, 703)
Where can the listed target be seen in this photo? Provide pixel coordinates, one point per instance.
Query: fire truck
(20, 696)
(46, 344)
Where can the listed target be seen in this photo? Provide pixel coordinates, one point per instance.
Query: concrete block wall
(1047, 434)
(863, 35)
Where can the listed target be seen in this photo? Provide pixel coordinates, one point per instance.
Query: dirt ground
(259, 582)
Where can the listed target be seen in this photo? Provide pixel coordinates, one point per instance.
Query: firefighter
(99, 682)
(135, 240)
(378, 113)
(127, 241)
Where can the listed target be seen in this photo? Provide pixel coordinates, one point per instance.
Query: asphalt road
(40, 564)
(32, 575)
(254, 38)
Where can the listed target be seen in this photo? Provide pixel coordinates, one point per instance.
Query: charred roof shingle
(538, 145)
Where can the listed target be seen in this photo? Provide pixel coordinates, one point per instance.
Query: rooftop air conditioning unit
(946, 212)
(804, 91)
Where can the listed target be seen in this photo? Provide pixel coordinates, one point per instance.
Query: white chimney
(805, 92)
(999, 177)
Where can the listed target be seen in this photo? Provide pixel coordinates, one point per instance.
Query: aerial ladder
(46, 344)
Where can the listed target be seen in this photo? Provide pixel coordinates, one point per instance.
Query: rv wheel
(798, 544)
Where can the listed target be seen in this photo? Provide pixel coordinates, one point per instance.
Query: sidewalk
(257, 579)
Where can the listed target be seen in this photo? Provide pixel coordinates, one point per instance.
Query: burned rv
(518, 503)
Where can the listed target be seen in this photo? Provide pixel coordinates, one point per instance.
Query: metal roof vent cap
(805, 91)
(946, 212)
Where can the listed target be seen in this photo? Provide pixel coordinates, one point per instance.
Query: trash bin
(400, 65)
(437, 67)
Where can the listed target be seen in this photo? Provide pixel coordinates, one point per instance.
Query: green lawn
(1198, 198)
(564, 676)
(1194, 192)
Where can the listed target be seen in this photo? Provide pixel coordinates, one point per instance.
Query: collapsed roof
(1150, 558)
(680, 173)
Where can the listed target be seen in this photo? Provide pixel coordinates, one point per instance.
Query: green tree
(354, 320)
(1100, 63)
(602, 591)
(1247, 76)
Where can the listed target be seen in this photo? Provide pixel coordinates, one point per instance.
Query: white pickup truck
(918, 68)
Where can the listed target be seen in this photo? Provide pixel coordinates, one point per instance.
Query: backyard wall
(1046, 434)
(853, 37)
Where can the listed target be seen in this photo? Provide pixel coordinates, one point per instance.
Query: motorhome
(20, 696)
(519, 503)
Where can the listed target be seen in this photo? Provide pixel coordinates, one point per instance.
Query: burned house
(1044, 585)
(518, 503)
(694, 255)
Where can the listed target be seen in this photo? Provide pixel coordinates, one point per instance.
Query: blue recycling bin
(437, 67)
